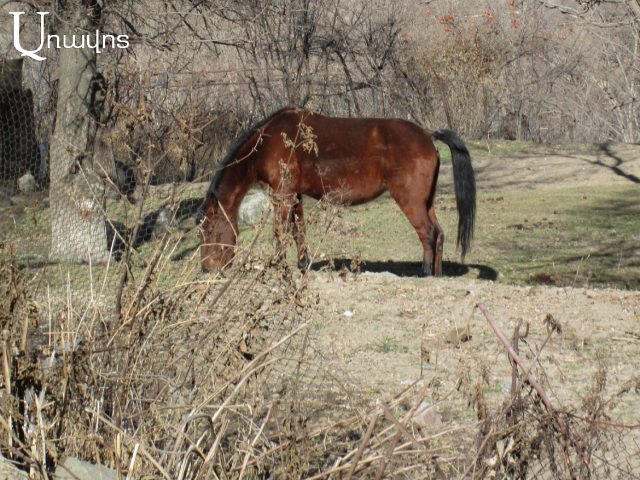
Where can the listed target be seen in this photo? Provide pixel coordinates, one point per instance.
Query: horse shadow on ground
(406, 269)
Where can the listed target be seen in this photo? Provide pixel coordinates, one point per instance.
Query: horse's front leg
(299, 233)
(282, 216)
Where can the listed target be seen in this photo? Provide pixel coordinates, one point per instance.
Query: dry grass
(151, 368)
(184, 378)
(218, 377)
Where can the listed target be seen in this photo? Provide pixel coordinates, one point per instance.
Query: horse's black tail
(465, 186)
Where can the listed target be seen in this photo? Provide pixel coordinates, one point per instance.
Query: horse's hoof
(304, 263)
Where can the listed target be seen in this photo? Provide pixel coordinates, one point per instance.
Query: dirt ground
(381, 332)
(598, 165)
(375, 326)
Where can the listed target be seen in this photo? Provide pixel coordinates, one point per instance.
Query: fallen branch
(533, 381)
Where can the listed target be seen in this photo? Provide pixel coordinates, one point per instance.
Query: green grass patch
(389, 345)
(513, 148)
(578, 236)
(25, 234)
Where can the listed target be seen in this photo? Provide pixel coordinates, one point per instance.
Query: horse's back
(354, 159)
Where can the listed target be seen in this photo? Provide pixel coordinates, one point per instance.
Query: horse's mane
(212, 192)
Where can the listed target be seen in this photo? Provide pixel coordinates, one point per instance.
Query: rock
(426, 416)
(253, 208)
(459, 335)
(27, 184)
(161, 224)
(73, 469)
(505, 386)
(87, 206)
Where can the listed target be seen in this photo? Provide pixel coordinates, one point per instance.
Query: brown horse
(348, 160)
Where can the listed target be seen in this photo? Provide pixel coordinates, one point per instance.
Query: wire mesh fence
(19, 148)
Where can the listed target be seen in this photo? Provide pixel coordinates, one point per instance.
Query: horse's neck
(234, 185)
(240, 174)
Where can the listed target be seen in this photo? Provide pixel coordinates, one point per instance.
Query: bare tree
(330, 55)
(77, 219)
(612, 83)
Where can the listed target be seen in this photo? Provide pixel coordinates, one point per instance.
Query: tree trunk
(78, 232)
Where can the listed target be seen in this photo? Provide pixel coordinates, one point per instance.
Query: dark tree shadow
(153, 225)
(616, 168)
(616, 255)
(407, 269)
(487, 173)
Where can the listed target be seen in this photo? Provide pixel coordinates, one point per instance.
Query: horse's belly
(347, 182)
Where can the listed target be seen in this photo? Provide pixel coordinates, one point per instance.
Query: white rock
(87, 205)
(161, 225)
(253, 208)
(426, 416)
(27, 184)
(72, 468)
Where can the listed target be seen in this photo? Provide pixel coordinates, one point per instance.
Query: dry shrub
(171, 133)
(456, 75)
(528, 437)
(192, 377)
(174, 375)
(168, 373)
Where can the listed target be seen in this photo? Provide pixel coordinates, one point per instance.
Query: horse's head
(217, 235)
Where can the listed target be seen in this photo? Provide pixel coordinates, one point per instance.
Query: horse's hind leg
(299, 233)
(439, 241)
(415, 210)
(427, 235)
